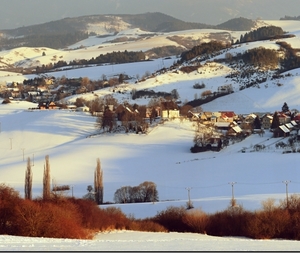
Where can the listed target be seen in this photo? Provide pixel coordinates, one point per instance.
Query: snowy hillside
(133, 40)
(163, 156)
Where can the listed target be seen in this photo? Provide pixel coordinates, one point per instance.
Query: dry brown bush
(188, 69)
(91, 214)
(116, 218)
(61, 222)
(56, 218)
(146, 225)
(172, 219)
(196, 220)
(9, 201)
(269, 224)
(30, 219)
(234, 221)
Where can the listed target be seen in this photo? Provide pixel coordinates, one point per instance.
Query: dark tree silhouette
(285, 107)
(257, 123)
(28, 181)
(275, 122)
(98, 183)
(46, 179)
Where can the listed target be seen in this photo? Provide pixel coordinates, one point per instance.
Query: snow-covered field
(162, 156)
(145, 241)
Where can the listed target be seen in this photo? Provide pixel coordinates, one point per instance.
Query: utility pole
(286, 182)
(232, 193)
(189, 203)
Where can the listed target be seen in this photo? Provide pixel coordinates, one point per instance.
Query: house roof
(222, 124)
(289, 125)
(228, 114)
(237, 129)
(297, 117)
(282, 115)
(294, 123)
(284, 129)
(252, 115)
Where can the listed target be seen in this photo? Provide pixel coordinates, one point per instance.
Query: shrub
(56, 218)
(188, 69)
(117, 218)
(234, 221)
(172, 219)
(9, 201)
(146, 225)
(30, 221)
(269, 224)
(92, 217)
(196, 220)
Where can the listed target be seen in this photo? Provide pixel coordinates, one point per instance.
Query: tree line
(55, 40)
(262, 33)
(114, 58)
(291, 60)
(202, 49)
(144, 192)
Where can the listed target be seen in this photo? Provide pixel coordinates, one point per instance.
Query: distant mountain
(238, 24)
(67, 31)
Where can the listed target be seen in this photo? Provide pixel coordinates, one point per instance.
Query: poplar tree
(46, 179)
(28, 181)
(98, 183)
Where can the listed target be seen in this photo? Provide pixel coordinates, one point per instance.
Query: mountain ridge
(71, 30)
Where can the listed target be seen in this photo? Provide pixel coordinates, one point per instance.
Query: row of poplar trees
(98, 181)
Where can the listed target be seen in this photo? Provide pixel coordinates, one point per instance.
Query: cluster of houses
(231, 124)
(226, 122)
(49, 91)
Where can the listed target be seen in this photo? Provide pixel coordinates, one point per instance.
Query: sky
(18, 13)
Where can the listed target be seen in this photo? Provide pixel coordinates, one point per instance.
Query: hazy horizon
(18, 13)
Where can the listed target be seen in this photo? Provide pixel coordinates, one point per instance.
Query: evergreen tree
(257, 123)
(28, 181)
(285, 107)
(275, 122)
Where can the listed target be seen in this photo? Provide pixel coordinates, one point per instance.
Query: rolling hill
(62, 33)
(163, 155)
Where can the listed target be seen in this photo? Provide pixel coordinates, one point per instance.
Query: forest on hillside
(55, 41)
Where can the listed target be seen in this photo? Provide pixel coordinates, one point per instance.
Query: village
(213, 131)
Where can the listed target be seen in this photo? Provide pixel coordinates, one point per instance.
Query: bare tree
(124, 195)
(85, 81)
(46, 179)
(28, 181)
(148, 192)
(98, 183)
(145, 192)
